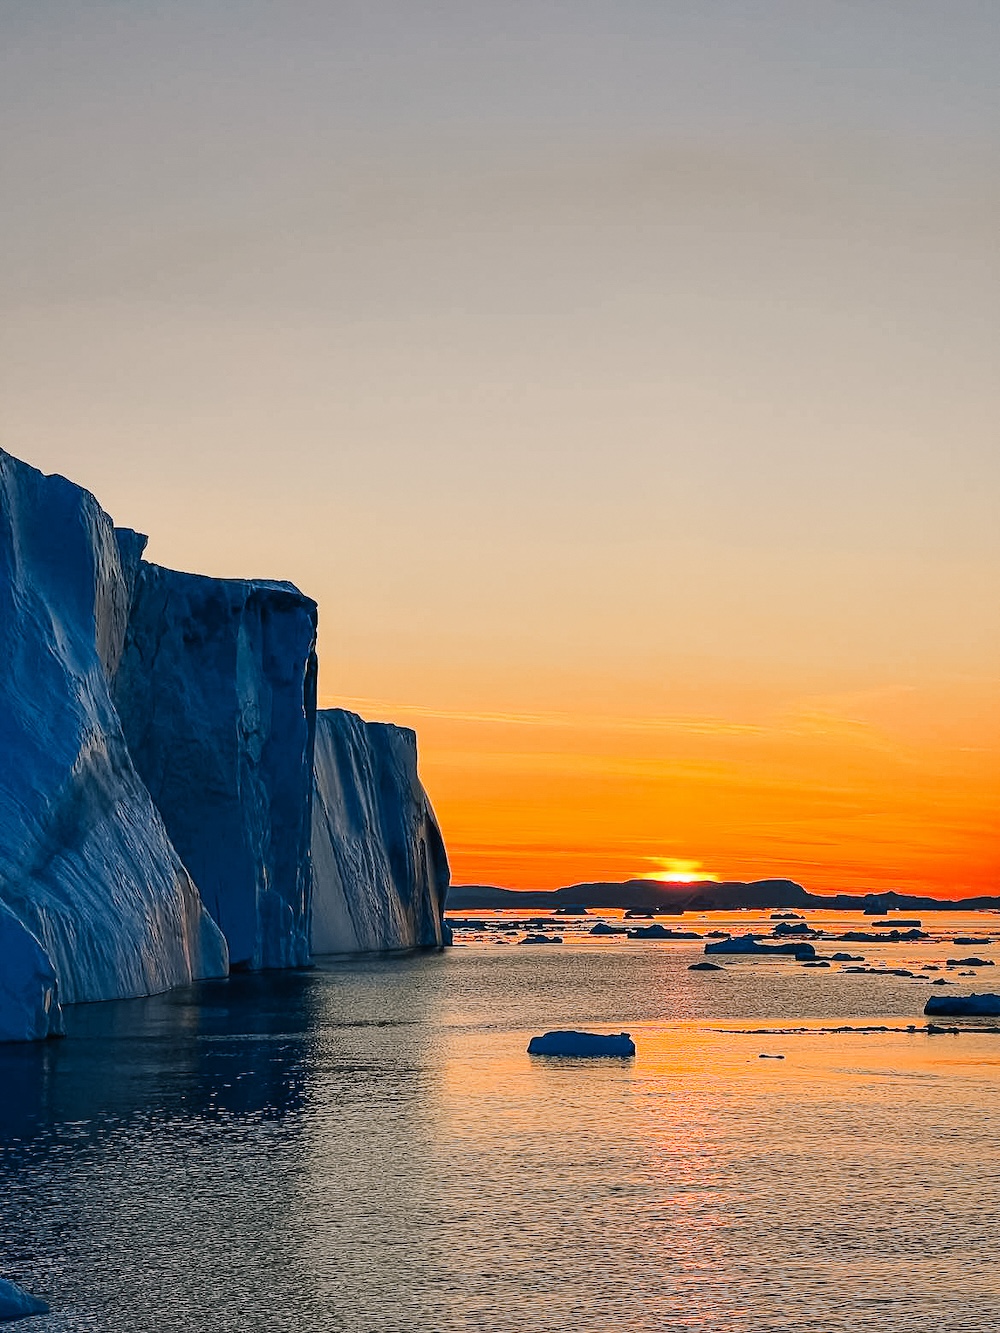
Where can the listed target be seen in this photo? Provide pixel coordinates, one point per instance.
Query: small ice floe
(582, 1043)
(541, 939)
(763, 1056)
(16, 1303)
(749, 944)
(977, 1006)
(602, 928)
(658, 932)
(795, 1032)
(705, 967)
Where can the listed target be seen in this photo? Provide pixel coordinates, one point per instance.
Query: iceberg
(167, 810)
(16, 1303)
(217, 696)
(96, 903)
(979, 1006)
(379, 866)
(750, 945)
(29, 1006)
(603, 928)
(582, 1044)
(658, 932)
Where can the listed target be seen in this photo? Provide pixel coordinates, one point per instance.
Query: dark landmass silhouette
(701, 896)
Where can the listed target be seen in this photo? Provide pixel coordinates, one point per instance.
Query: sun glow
(674, 871)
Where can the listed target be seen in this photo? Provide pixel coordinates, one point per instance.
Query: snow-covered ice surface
(216, 691)
(380, 871)
(98, 903)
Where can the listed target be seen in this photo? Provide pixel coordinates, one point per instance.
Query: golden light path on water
(366, 1147)
(789, 1166)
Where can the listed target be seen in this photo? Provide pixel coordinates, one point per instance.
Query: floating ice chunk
(658, 932)
(976, 1005)
(749, 944)
(582, 1043)
(16, 1303)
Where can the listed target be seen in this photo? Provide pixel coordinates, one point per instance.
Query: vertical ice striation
(216, 692)
(96, 902)
(380, 871)
(160, 767)
(29, 1007)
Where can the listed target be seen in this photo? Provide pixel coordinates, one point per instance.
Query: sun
(674, 871)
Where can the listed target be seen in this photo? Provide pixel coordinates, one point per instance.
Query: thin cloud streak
(572, 721)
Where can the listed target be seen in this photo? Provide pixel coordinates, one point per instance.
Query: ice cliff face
(216, 691)
(161, 814)
(95, 903)
(380, 871)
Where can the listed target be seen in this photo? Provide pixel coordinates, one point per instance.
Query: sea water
(367, 1147)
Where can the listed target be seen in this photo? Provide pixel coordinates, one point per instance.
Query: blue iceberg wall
(217, 695)
(380, 870)
(168, 807)
(96, 902)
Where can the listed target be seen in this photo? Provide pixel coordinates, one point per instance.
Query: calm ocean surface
(366, 1147)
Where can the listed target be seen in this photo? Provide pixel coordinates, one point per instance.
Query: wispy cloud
(580, 720)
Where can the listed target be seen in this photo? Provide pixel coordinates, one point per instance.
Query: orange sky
(620, 379)
(890, 788)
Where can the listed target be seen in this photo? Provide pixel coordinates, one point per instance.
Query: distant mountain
(701, 896)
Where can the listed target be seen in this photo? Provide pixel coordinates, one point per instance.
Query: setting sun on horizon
(675, 871)
(619, 380)
(516, 848)
(887, 788)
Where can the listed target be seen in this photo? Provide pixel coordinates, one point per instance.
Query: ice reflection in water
(367, 1147)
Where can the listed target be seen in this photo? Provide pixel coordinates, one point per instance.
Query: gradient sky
(621, 378)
